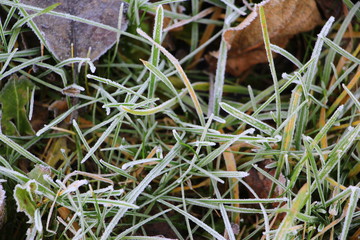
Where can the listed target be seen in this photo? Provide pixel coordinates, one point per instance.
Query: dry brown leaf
(66, 215)
(61, 106)
(284, 18)
(261, 184)
(40, 116)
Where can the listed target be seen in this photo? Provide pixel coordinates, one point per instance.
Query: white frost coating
(159, 152)
(48, 179)
(89, 62)
(31, 103)
(278, 138)
(270, 165)
(243, 174)
(46, 176)
(285, 76)
(107, 109)
(353, 199)
(326, 28)
(230, 174)
(101, 190)
(109, 191)
(307, 138)
(203, 143)
(350, 128)
(248, 131)
(79, 213)
(354, 188)
(78, 234)
(341, 108)
(108, 188)
(219, 119)
(136, 162)
(74, 186)
(37, 221)
(2, 202)
(60, 183)
(30, 233)
(92, 67)
(333, 211)
(297, 82)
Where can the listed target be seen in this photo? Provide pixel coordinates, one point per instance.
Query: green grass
(158, 149)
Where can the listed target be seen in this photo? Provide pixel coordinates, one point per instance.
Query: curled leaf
(284, 20)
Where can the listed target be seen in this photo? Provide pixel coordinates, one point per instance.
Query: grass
(157, 150)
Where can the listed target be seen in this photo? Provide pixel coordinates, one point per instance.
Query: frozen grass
(160, 144)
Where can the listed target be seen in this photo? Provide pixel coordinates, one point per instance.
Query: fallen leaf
(158, 229)
(58, 107)
(284, 20)
(59, 33)
(66, 215)
(261, 184)
(14, 96)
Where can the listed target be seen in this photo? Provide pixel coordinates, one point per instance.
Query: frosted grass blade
(248, 119)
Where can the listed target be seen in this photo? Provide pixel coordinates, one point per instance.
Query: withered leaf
(59, 33)
(261, 184)
(284, 20)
